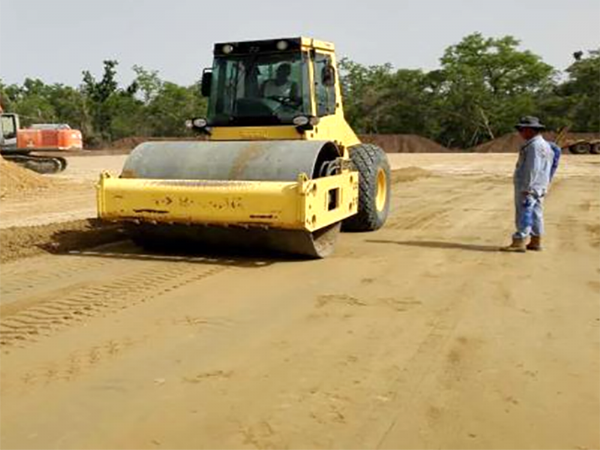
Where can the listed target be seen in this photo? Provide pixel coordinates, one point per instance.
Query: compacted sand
(420, 335)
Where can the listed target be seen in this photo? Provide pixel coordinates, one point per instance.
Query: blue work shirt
(534, 166)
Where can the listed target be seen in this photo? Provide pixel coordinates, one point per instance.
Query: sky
(55, 40)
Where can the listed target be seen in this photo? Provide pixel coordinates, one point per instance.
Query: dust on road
(421, 335)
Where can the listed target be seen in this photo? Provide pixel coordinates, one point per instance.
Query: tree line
(481, 87)
(105, 111)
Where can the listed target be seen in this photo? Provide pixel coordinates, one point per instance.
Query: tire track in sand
(56, 312)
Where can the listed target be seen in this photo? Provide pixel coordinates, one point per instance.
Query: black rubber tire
(595, 148)
(368, 160)
(581, 148)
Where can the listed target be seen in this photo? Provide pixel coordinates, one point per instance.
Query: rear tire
(581, 148)
(595, 148)
(374, 188)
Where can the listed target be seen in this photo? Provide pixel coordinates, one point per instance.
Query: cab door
(328, 102)
(325, 91)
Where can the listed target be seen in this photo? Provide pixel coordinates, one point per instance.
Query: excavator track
(38, 163)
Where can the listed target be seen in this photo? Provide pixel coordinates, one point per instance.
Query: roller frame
(290, 205)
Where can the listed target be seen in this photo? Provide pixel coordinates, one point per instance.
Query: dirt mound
(20, 242)
(404, 143)
(512, 142)
(391, 143)
(127, 143)
(504, 144)
(15, 179)
(130, 143)
(409, 174)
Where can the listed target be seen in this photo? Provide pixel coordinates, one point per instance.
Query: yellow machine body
(300, 205)
(236, 196)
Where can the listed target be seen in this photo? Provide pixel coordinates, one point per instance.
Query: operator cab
(263, 83)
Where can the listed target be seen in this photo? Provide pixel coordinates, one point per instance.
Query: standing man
(531, 180)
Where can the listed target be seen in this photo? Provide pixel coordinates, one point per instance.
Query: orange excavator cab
(22, 146)
(49, 137)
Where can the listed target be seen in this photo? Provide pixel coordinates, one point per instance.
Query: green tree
(5, 101)
(31, 102)
(148, 83)
(171, 107)
(577, 100)
(378, 99)
(114, 112)
(488, 83)
(68, 104)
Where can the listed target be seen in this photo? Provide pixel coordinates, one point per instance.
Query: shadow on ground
(126, 249)
(112, 241)
(439, 244)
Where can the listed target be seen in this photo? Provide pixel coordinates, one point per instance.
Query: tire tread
(367, 159)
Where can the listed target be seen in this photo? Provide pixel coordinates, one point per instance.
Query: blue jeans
(529, 215)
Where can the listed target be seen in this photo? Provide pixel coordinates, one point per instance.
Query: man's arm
(556, 150)
(531, 167)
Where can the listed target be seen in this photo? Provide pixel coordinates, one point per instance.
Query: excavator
(279, 166)
(33, 147)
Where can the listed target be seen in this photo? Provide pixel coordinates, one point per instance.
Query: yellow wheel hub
(381, 198)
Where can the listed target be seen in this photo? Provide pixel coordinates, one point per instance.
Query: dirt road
(421, 335)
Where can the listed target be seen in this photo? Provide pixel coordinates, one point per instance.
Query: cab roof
(271, 45)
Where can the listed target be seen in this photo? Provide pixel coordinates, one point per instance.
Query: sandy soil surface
(420, 335)
(70, 196)
(75, 187)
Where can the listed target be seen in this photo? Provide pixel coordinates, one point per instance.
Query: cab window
(324, 92)
(8, 127)
(259, 89)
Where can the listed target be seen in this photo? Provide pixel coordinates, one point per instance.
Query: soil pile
(130, 143)
(504, 144)
(512, 142)
(15, 179)
(391, 143)
(404, 143)
(20, 242)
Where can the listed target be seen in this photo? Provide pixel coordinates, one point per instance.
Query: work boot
(517, 246)
(535, 244)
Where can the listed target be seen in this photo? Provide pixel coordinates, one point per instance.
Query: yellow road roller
(278, 166)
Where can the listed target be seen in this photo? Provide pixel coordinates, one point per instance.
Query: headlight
(305, 122)
(200, 122)
(189, 123)
(300, 121)
(227, 49)
(282, 45)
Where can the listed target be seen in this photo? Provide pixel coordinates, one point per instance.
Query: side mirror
(328, 75)
(206, 82)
